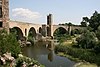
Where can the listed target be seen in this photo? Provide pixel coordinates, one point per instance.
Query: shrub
(83, 54)
(9, 43)
(31, 39)
(86, 40)
(97, 48)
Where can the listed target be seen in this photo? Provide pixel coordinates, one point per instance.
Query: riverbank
(78, 55)
(6, 60)
(79, 63)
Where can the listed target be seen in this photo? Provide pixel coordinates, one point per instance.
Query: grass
(79, 63)
(68, 56)
(85, 65)
(77, 54)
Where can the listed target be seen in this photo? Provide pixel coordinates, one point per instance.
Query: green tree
(86, 40)
(9, 43)
(85, 19)
(70, 24)
(94, 20)
(83, 24)
(98, 33)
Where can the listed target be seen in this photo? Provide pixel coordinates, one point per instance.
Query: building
(4, 14)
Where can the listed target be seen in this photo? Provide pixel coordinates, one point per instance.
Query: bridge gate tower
(49, 25)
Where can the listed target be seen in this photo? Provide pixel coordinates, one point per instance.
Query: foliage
(31, 39)
(60, 31)
(69, 24)
(27, 60)
(90, 28)
(76, 31)
(8, 43)
(94, 20)
(98, 33)
(97, 48)
(83, 54)
(63, 37)
(86, 40)
(83, 24)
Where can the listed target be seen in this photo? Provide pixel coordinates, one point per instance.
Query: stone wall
(4, 19)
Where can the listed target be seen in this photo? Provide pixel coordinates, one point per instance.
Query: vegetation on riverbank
(87, 45)
(80, 54)
(10, 50)
(86, 48)
(79, 63)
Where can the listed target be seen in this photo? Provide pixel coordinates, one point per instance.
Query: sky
(63, 11)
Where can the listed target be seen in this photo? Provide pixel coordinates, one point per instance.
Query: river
(44, 53)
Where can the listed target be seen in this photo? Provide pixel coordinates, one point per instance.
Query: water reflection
(44, 53)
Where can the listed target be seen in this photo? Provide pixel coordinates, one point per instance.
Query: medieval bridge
(25, 29)
(48, 29)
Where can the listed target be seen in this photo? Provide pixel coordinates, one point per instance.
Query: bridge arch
(60, 30)
(18, 32)
(40, 30)
(32, 32)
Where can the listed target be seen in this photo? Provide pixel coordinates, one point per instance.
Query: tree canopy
(94, 20)
(9, 43)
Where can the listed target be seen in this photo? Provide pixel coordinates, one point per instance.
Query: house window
(1, 24)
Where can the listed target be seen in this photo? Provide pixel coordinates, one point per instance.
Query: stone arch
(18, 32)
(61, 29)
(40, 30)
(32, 32)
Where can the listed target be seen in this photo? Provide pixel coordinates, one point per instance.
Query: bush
(9, 43)
(63, 38)
(31, 39)
(98, 33)
(97, 48)
(86, 40)
(28, 61)
(83, 54)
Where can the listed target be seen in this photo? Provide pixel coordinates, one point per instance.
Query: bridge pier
(44, 30)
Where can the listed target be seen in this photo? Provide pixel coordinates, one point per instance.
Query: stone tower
(4, 14)
(49, 25)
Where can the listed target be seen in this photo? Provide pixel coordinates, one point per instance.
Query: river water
(44, 53)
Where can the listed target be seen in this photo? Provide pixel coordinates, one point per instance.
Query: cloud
(25, 13)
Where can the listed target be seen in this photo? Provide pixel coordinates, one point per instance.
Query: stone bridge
(43, 29)
(23, 29)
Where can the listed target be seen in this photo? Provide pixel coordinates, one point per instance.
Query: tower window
(0, 12)
(1, 24)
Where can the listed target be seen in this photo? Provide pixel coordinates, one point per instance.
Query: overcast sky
(35, 11)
